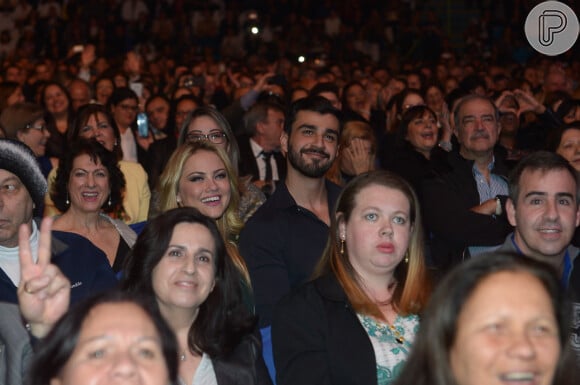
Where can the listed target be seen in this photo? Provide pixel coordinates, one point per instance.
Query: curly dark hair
(223, 319)
(96, 151)
(57, 348)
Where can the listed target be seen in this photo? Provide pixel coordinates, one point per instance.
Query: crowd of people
(228, 215)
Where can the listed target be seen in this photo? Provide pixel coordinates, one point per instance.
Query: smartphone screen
(142, 125)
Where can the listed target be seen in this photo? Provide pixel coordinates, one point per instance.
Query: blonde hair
(413, 286)
(350, 130)
(230, 224)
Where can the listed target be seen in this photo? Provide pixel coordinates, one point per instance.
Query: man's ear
(578, 216)
(284, 143)
(511, 212)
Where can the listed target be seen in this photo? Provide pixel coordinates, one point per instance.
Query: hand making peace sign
(44, 291)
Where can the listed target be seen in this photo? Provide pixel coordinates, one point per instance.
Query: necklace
(383, 328)
(392, 330)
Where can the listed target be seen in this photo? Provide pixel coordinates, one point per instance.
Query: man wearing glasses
(464, 208)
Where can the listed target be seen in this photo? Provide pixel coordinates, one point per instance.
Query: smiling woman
(495, 319)
(201, 175)
(25, 122)
(111, 338)
(180, 266)
(89, 182)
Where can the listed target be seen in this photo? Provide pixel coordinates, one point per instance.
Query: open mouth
(211, 199)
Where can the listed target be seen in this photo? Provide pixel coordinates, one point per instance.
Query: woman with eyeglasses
(206, 124)
(94, 121)
(25, 122)
(124, 105)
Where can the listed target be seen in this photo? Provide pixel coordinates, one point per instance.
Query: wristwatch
(498, 209)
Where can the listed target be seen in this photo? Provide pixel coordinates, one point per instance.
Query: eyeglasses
(214, 137)
(41, 128)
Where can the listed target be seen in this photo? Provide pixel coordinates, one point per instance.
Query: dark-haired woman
(56, 100)
(95, 122)
(88, 184)
(112, 337)
(180, 265)
(415, 146)
(495, 319)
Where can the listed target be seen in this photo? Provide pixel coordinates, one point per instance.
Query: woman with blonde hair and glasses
(206, 124)
(201, 175)
(368, 289)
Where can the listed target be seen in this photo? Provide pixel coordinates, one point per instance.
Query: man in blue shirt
(543, 207)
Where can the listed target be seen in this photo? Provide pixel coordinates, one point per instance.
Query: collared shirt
(497, 186)
(281, 244)
(261, 162)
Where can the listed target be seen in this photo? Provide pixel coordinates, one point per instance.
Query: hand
(445, 120)
(88, 56)
(486, 208)
(44, 291)
(262, 81)
(527, 103)
(358, 154)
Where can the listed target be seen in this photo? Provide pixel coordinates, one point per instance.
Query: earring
(342, 246)
(407, 257)
(67, 201)
(109, 200)
(178, 200)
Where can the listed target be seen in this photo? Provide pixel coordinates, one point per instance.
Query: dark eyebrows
(535, 193)
(313, 127)
(543, 194)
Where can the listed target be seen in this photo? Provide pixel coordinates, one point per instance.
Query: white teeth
(210, 199)
(90, 194)
(549, 231)
(518, 376)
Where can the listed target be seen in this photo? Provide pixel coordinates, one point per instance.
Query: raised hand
(359, 155)
(44, 291)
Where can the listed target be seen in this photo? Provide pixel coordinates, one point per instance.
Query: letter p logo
(551, 22)
(552, 28)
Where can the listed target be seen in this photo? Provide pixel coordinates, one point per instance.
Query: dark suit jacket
(248, 164)
(318, 339)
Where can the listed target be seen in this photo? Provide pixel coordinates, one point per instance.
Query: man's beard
(315, 168)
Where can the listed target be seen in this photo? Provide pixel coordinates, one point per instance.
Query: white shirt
(9, 261)
(261, 162)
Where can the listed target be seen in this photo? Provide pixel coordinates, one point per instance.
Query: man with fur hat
(22, 188)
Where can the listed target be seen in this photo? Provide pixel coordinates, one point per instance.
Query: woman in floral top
(356, 321)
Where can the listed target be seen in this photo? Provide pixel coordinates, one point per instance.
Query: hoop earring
(342, 242)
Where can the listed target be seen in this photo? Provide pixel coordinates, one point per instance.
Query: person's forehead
(471, 106)
(312, 117)
(157, 102)
(561, 181)
(7, 176)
